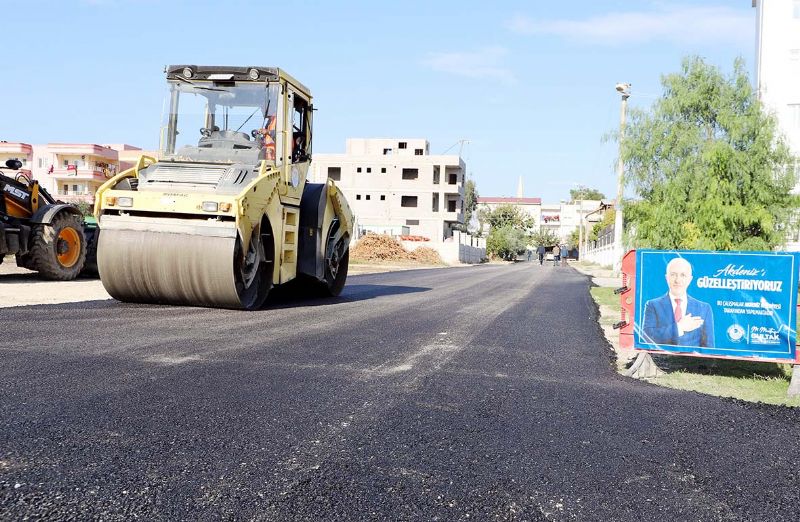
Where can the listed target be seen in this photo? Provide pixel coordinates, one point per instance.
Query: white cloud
(483, 63)
(679, 24)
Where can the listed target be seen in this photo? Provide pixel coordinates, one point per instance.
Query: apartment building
(396, 186)
(778, 71)
(561, 219)
(778, 63)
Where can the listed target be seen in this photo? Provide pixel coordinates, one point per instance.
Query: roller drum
(172, 268)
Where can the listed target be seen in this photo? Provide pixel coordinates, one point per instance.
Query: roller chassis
(219, 224)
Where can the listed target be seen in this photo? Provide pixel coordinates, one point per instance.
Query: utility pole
(581, 251)
(625, 91)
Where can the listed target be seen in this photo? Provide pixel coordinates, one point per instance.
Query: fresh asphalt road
(476, 393)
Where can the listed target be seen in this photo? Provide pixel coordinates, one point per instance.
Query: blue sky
(530, 84)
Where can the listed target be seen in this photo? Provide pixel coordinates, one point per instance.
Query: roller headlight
(210, 206)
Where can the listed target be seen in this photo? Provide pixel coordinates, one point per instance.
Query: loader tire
(58, 250)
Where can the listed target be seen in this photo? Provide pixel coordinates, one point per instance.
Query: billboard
(724, 304)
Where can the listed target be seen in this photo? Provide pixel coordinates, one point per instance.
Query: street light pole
(625, 91)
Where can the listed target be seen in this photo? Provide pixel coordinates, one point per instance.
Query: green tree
(543, 238)
(507, 215)
(582, 192)
(707, 165)
(508, 230)
(506, 242)
(470, 201)
(608, 219)
(574, 237)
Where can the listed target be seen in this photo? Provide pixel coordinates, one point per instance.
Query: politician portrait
(676, 318)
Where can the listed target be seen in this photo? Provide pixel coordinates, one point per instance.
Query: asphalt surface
(482, 393)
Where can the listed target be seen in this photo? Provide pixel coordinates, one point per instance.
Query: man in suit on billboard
(677, 318)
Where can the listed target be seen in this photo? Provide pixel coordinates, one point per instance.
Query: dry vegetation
(376, 247)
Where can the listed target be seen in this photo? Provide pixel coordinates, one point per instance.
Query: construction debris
(378, 247)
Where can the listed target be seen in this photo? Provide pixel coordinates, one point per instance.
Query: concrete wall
(461, 248)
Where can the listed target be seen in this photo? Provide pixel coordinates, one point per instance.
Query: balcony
(85, 173)
(453, 216)
(75, 198)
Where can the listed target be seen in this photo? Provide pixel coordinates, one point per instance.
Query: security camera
(623, 87)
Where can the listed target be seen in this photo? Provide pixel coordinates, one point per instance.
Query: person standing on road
(540, 251)
(556, 255)
(564, 254)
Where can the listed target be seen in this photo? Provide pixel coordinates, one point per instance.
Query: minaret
(520, 190)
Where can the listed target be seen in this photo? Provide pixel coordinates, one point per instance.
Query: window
(65, 189)
(402, 145)
(66, 162)
(435, 202)
(452, 179)
(383, 170)
(410, 173)
(358, 169)
(435, 175)
(367, 197)
(369, 169)
(417, 152)
(335, 173)
(411, 222)
(358, 196)
(383, 197)
(387, 152)
(451, 205)
(408, 201)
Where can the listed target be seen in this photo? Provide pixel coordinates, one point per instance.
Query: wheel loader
(225, 212)
(47, 235)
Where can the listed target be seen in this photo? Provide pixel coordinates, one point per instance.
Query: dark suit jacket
(659, 324)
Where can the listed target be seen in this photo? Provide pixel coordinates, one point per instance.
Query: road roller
(224, 212)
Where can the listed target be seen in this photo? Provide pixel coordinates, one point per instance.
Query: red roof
(522, 201)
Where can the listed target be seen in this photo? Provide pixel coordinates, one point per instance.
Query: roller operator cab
(225, 212)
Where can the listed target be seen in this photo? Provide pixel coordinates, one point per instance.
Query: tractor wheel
(59, 250)
(337, 260)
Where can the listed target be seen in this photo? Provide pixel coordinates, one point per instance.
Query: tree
(506, 242)
(507, 215)
(543, 238)
(574, 238)
(608, 219)
(582, 192)
(708, 166)
(508, 230)
(470, 201)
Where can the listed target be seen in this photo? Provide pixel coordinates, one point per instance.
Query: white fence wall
(460, 248)
(603, 255)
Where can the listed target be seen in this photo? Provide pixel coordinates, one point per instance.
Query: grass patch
(745, 380)
(605, 296)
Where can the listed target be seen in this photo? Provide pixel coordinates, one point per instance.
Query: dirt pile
(426, 255)
(377, 247)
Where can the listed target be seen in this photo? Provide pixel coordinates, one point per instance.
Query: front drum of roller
(174, 268)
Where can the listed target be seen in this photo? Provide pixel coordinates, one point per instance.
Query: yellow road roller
(225, 212)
